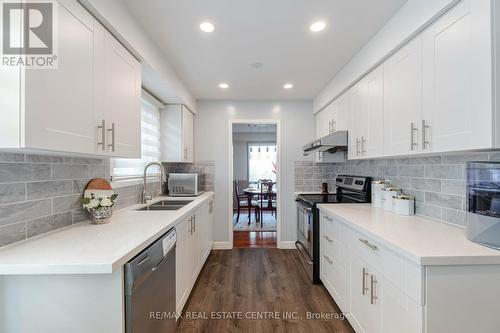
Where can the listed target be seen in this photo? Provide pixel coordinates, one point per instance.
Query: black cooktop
(313, 199)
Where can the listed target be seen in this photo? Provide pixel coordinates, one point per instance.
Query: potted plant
(99, 207)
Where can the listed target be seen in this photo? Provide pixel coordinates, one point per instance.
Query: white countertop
(422, 240)
(84, 248)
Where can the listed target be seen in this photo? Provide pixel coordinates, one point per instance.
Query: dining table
(251, 192)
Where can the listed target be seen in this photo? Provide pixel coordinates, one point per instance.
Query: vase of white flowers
(99, 208)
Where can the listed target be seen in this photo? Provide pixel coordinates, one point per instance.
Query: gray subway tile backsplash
(43, 189)
(436, 181)
(40, 193)
(22, 172)
(12, 192)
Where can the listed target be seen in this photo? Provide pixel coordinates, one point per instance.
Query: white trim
(277, 122)
(286, 245)
(150, 98)
(222, 245)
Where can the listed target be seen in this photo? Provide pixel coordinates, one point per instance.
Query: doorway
(255, 213)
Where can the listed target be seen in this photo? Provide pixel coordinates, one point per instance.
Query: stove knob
(339, 180)
(359, 182)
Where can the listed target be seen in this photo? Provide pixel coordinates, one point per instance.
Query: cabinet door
(356, 105)
(58, 103)
(373, 117)
(181, 264)
(123, 100)
(341, 106)
(403, 99)
(359, 294)
(203, 224)
(187, 134)
(193, 251)
(323, 125)
(457, 79)
(393, 303)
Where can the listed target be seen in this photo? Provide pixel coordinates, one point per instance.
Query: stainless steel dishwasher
(150, 288)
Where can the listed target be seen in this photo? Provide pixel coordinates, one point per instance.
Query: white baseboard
(286, 245)
(222, 246)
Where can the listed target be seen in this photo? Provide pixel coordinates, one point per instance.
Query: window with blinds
(124, 168)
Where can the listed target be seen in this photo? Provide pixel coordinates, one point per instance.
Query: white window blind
(262, 159)
(124, 168)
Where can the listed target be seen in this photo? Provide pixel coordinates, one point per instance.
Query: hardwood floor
(254, 239)
(240, 284)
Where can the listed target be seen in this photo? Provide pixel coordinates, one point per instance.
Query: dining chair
(242, 202)
(267, 199)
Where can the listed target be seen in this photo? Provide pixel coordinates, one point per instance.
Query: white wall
(212, 143)
(408, 20)
(158, 75)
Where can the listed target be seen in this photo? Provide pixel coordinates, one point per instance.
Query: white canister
(377, 186)
(387, 194)
(403, 204)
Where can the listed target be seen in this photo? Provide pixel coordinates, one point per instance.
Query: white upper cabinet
(121, 80)
(434, 94)
(60, 109)
(356, 104)
(58, 103)
(403, 99)
(177, 134)
(373, 116)
(324, 121)
(457, 110)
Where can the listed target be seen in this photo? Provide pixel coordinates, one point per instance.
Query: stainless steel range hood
(332, 143)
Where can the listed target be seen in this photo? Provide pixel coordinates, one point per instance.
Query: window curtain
(150, 145)
(262, 158)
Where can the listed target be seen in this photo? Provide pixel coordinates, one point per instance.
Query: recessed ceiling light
(256, 65)
(288, 86)
(223, 85)
(318, 26)
(207, 27)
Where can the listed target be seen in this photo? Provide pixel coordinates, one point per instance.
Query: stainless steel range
(349, 189)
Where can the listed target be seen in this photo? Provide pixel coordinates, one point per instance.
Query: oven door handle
(303, 252)
(303, 207)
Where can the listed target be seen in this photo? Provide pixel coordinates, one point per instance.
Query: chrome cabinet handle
(373, 286)
(357, 146)
(112, 130)
(367, 243)
(412, 141)
(330, 126)
(425, 127)
(334, 125)
(194, 223)
(327, 258)
(364, 288)
(102, 127)
(185, 153)
(363, 144)
(328, 238)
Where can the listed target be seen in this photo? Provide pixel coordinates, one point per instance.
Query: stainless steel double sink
(166, 205)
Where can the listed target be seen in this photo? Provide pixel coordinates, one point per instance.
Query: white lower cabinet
(194, 243)
(368, 282)
(382, 291)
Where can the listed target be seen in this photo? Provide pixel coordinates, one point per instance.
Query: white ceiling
(273, 32)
